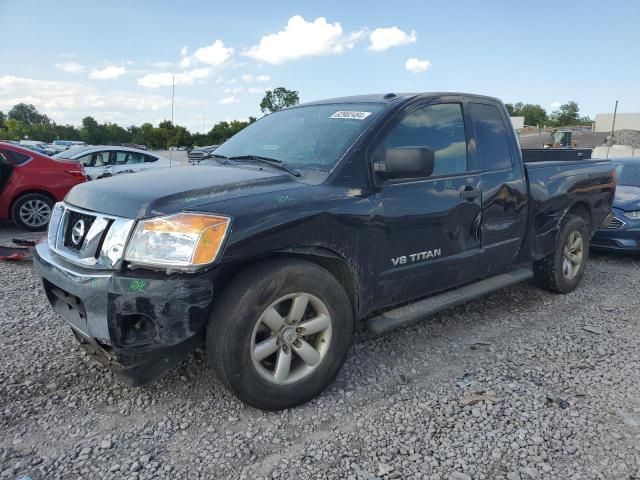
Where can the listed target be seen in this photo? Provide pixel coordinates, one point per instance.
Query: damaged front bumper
(138, 323)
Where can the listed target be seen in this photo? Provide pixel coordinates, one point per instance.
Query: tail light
(78, 174)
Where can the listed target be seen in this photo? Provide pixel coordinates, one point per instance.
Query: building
(624, 121)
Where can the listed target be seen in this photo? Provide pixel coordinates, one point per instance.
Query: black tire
(22, 203)
(549, 273)
(232, 327)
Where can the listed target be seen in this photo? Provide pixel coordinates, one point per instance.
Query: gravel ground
(555, 399)
(625, 137)
(582, 139)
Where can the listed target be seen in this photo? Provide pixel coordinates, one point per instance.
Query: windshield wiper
(274, 162)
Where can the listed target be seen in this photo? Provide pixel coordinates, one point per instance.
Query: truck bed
(553, 185)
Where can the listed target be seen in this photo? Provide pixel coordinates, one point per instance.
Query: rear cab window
(492, 138)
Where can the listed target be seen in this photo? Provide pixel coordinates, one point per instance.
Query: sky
(116, 60)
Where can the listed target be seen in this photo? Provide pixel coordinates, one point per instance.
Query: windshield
(628, 174)
(72, 152)
(305, 138)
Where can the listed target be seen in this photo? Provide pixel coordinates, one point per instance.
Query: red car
(30, 183)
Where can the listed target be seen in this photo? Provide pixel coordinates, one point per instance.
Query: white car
(106, 161)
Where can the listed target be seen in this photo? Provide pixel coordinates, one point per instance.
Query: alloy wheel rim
(572, 255)
(35, 213)
(291, 338)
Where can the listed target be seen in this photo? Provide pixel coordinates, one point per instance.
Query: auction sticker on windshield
(349, 114)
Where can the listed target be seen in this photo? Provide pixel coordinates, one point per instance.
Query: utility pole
(173, 91)
(613, 124)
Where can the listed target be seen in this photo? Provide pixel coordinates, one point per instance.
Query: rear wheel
(280, 333)
(32, 211)
(562, 270)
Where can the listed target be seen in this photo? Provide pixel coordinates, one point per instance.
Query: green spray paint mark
(448, 184)
(137, 286)
(284, 199)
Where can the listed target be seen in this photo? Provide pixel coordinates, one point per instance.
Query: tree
(567, 114)
(279, 98)
(533, 114)
(90, 131)
(3, 117)
(27, 114)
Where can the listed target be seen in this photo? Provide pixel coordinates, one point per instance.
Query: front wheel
(562, 270)
(280, 333)
(32, 211)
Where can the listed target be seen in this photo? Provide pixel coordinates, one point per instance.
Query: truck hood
(627, 198)
(165, 191)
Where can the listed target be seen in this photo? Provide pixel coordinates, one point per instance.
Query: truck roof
(392, 97)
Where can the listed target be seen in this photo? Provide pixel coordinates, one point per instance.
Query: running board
(407, 314)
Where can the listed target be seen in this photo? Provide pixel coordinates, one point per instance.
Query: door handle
(470, 195)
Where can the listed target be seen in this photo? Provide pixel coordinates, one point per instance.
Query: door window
(492, 137)
(437, 127)
(149, 159)
(98, 159)
(129, 158)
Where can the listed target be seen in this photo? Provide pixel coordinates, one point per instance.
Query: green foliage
(24, 121)
(533, 115)
(28, 114)
(279, 98)
(568, 114)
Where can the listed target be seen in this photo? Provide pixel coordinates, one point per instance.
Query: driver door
(431, 224)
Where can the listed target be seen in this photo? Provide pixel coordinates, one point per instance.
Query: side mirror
(409, 162)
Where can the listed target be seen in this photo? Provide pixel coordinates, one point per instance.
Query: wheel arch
(321, 256)
(581, 209)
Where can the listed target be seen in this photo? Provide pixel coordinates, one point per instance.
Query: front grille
(616, 224)
(102, 243)
(71, 239)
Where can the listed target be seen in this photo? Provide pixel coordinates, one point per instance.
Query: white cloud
(257, 90)
(301, 39)
(70, 101)
(384, 38)
(107, 73)
(215, 54)
(234, 91)
(556, 105)
(228, 100)
(161, 64)
(184, 51)
(260, 78)
(70, 67)
(414, 65)
(165, 79)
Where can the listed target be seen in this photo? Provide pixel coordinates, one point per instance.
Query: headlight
(183, 240)
(635, 215)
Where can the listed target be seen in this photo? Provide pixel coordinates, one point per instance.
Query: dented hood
(165, 191)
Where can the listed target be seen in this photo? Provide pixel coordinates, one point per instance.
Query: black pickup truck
(375, 210)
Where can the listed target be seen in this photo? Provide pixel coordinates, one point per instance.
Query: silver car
(105, 161)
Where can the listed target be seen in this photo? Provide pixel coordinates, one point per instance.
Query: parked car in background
(30, 183)
(62, 145)
(135, 145)
(198, 154)
(40, 150)
(106, 161)
(42, 147)
(623, 233)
